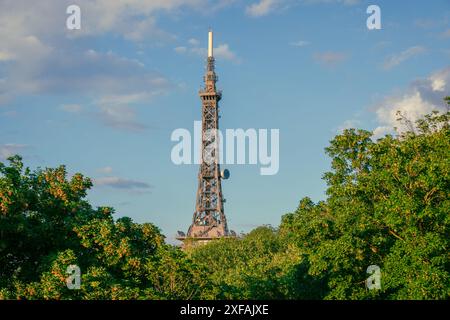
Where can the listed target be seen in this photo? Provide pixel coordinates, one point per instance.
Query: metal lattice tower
(209, 219)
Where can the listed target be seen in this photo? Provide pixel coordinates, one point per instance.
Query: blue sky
(105, 99)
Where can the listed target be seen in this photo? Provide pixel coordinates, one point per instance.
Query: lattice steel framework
(209, 219)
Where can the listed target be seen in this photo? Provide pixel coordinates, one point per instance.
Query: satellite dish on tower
(225, 174)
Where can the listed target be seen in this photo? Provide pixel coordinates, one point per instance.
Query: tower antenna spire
(210, 44)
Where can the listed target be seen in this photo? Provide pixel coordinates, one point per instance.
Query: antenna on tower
(210, 43)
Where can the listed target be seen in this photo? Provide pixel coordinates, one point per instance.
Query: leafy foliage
(46, 225)
(387, 205)
(258, 266)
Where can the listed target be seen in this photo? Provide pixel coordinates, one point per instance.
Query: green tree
(46, 224)
(387, 205)
(260, 265)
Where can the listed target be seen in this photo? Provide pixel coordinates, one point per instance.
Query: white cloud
(300, 43)
(6, 56)
(39, 55)
(111, 81)
(10, 149)
(381, 131)
(134, 19)
(412, 105)
(348, 124)
(261, 8)
(265, 7)
(439, 80)
(222, 51)
(422, 97)
(398, 58)
(115, 111)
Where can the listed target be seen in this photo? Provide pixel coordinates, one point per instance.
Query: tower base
(207, 231)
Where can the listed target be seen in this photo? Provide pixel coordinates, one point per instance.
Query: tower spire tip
(210, 43)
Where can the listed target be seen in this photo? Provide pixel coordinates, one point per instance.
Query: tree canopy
(46, 224)
(387, 205)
